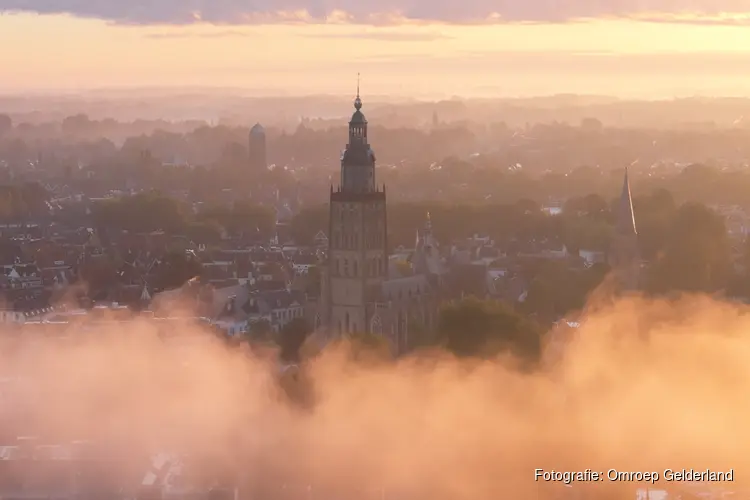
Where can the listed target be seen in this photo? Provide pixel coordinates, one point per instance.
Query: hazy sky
(421, 47)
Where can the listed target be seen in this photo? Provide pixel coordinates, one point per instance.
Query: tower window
(356, 269)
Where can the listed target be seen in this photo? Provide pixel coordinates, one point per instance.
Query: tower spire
(358, 100)
(625, 215)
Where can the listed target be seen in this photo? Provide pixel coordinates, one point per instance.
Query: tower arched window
(376, 325)
(356, 269)
(347, 322)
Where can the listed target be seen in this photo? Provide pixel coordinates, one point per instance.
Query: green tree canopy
(696, 256)
(6, 124)
(291, 337)
(367, 347)
(260, 331)
(557, 289)
(473, 327)
(243, 217)
(175, 269)
(144, 212)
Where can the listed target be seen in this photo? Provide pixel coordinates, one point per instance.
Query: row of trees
(105, 273)
(147, 212)
(22, 201)
(467, 328)
(586, 222)
(672, 237)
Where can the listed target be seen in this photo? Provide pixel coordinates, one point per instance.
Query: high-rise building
(258, 160)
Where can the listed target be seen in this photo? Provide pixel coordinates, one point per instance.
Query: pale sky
(622, 55)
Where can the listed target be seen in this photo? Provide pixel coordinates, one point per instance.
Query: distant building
(258, 159)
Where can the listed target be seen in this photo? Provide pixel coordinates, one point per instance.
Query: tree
(556, 289)
(368, 347)
(696, 256)
(654, 215)
(243, 217)
(591, 205)
(591, 125)
(260, 331)
(99, 274)
(176, 268)
(420, 336)
(473, 327)
(144, 212)
(6, 124)
(291, 337)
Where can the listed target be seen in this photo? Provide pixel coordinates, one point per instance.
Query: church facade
(361, 291)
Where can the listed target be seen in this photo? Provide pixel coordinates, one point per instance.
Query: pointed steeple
(358, 123)
(625, 216)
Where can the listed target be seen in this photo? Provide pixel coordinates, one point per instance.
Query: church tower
(357, 253)
(624, 257)
(257, 148)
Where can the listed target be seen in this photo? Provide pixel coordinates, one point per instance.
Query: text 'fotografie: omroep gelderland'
(614, 475)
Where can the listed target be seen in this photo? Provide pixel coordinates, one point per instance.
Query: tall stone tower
(257, 148)
(624, 257)
(357, 254)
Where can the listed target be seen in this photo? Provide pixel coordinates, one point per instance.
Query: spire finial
(358, 101)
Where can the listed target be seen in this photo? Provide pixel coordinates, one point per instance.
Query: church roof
(625, 216)
(358, 118)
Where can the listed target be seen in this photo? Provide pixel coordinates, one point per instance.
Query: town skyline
(206, 294)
